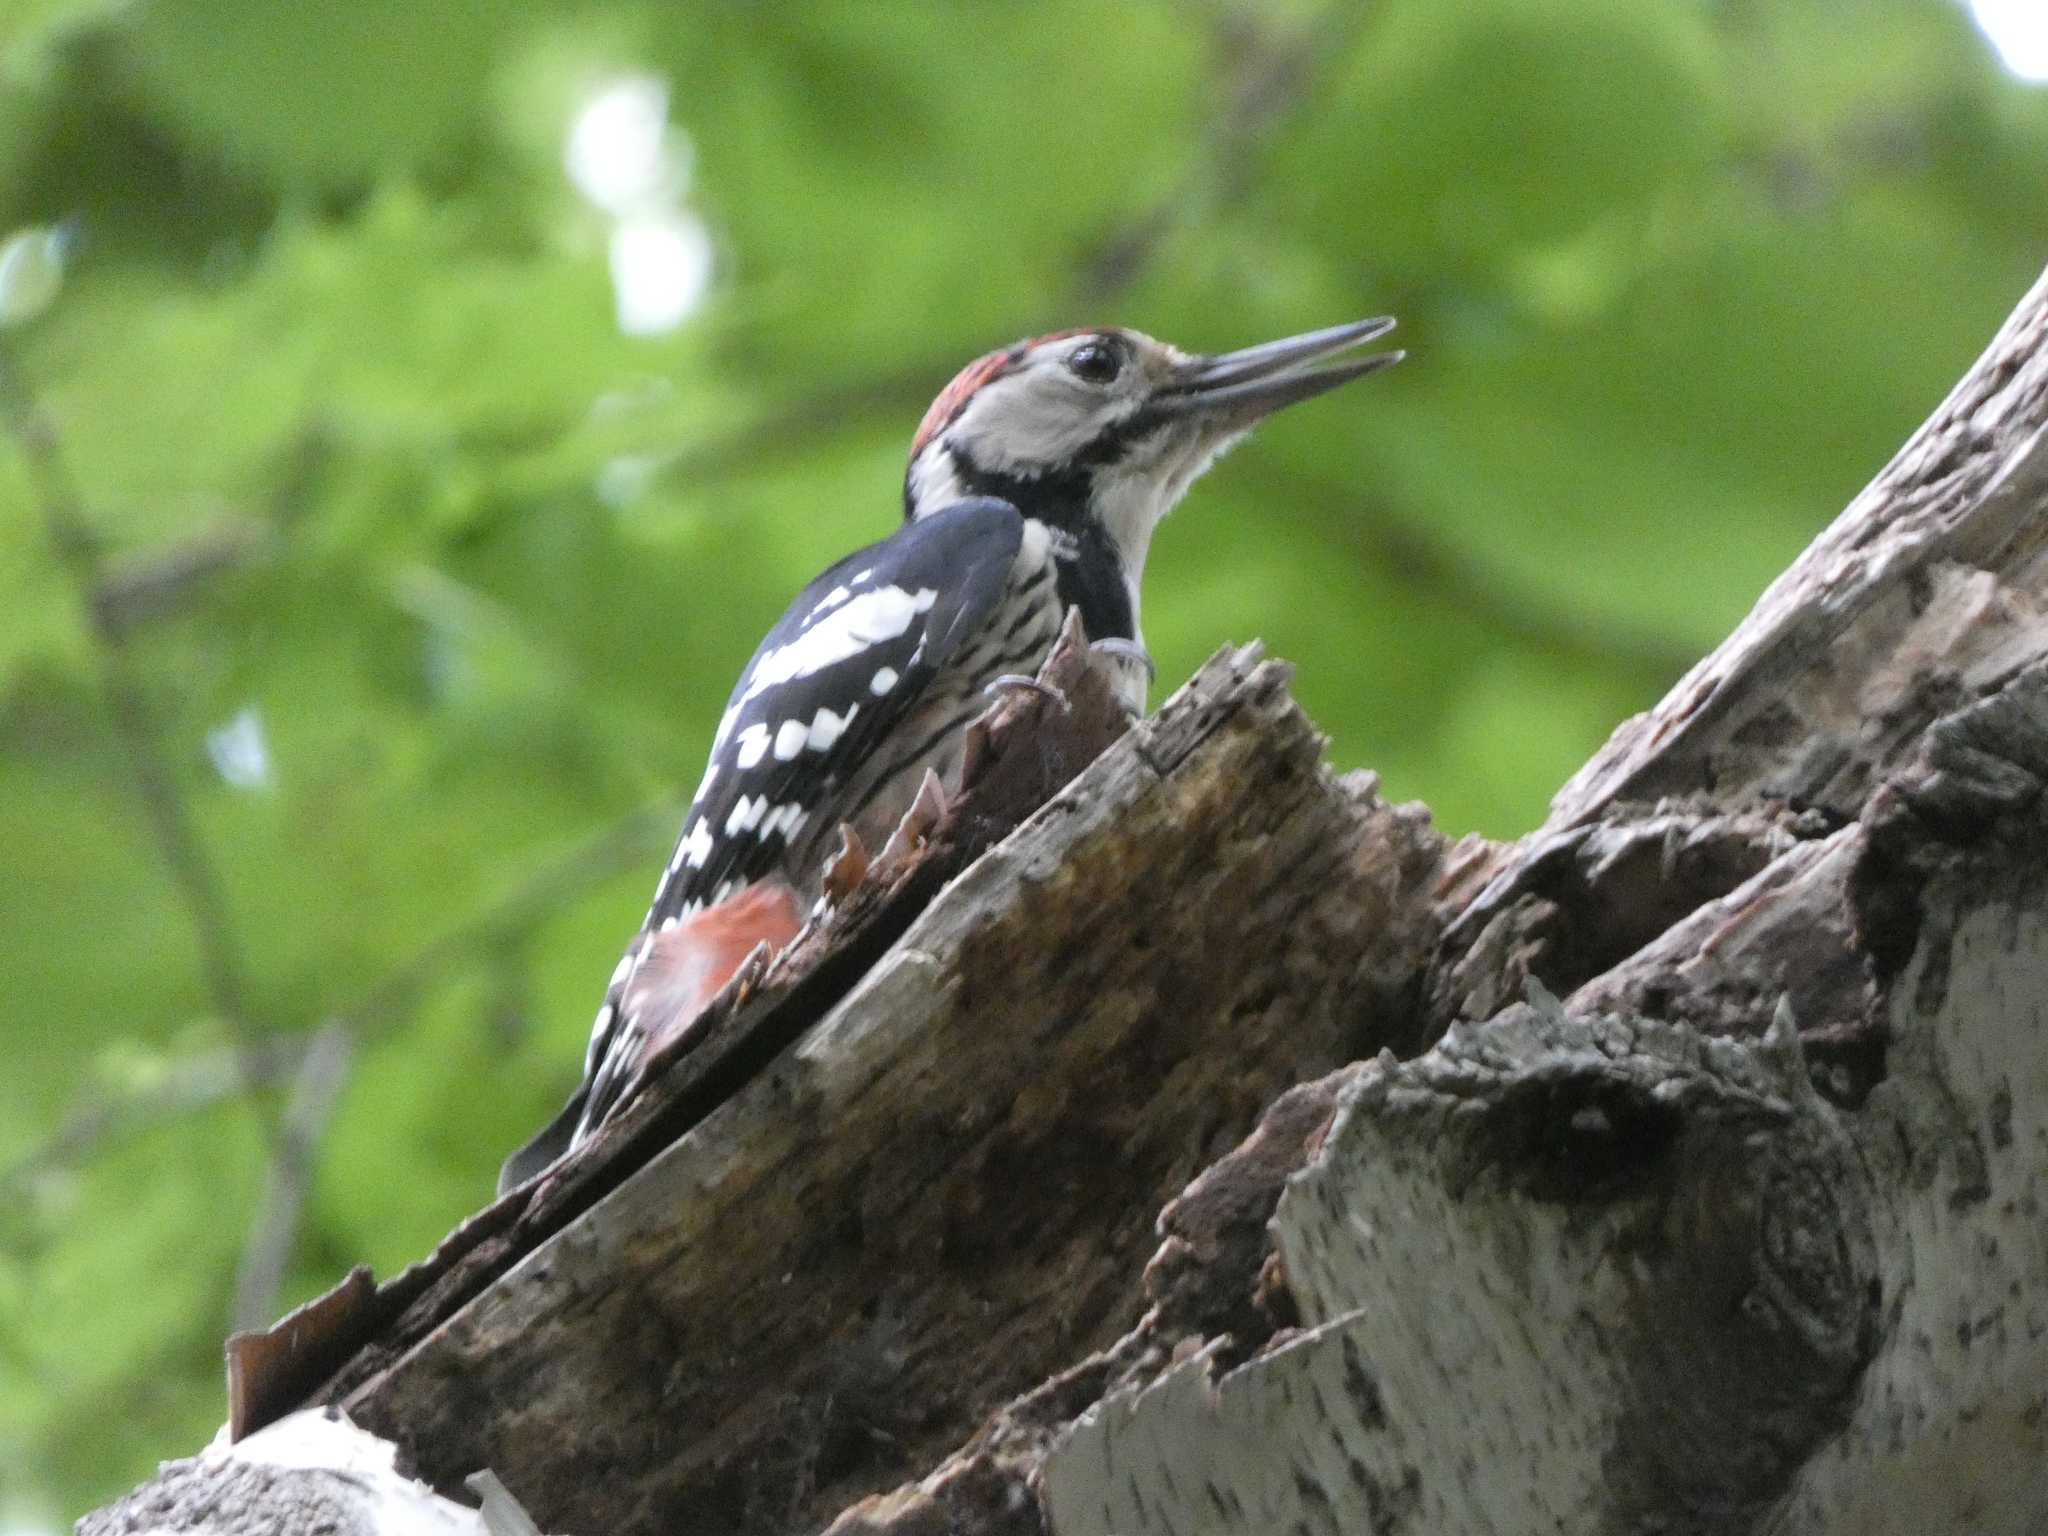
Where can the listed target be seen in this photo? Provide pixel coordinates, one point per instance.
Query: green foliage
(467, 571)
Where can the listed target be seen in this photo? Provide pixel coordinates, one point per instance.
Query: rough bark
(311, 1472)
(1748, 1234)
(1744, 1234)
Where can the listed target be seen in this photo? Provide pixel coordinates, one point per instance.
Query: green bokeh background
(1676, 276)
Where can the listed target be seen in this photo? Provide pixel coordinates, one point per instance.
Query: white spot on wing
(789, 740)
(868, 619)
(826, 604)
(753, 745)
(883, 680)
(826, 726)
(784, 819)
(746, 815)
(696, 846)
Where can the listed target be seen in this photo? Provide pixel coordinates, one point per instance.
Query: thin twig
(274, 1234)
(78, 550)
(1265, 75)
(1434, 567)
(190, 1085)
(536, 899)
(206, 1079)
(142, 588)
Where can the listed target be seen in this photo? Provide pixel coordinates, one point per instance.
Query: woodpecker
(1035, 482)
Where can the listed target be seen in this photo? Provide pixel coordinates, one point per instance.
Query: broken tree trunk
(1681, 1167)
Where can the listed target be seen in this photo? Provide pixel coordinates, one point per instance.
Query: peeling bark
(1744, 1234)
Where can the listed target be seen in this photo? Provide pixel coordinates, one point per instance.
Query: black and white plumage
(818, 714)
(1035, 482)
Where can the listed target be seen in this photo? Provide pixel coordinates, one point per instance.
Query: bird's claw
(1130, 650)
(1009, 680)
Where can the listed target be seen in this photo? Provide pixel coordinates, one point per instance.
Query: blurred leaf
(1458, 132)
(1675, 278)
(374, 86)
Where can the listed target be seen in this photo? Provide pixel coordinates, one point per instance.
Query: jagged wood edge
(1029, 745)
(1785, 730)
(1224, 780)
(1963, 501)
(1753, 1310)
(1938, 486)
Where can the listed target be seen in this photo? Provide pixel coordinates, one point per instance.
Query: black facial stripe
(1093, 581)
(1092, 577)
(1057, 498)
(1115, 441)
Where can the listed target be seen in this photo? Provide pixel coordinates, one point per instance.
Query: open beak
(1238, 388)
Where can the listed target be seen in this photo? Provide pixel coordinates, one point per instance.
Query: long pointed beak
(1241, 387)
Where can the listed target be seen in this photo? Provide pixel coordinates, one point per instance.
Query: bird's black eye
(1097, 361)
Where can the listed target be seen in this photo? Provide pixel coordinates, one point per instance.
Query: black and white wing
(845, 665)
(827, 687)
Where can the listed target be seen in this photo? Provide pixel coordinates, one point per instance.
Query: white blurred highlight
(661, 268)
(240, 751)
(2018, 29)
(631, 163)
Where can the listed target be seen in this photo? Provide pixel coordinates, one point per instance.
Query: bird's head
(1101, 432)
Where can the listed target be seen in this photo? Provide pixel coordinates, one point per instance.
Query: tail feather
(668, 978)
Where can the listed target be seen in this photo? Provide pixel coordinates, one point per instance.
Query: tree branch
(78, 551)
(273, 1234)
(203, 1080)
(1743, 1234)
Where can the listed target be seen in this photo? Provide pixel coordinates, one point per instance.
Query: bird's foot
(1013, 680)
(1130, 650)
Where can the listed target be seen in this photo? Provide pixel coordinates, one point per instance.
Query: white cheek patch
(933, 483)
(1027, 421)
